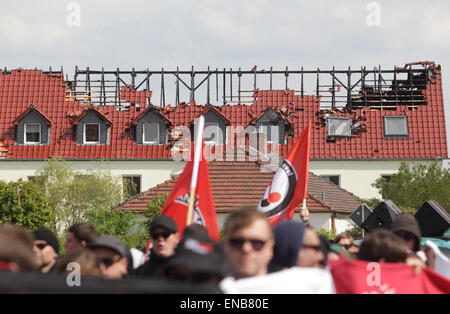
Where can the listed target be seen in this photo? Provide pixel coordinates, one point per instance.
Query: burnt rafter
(376, 88)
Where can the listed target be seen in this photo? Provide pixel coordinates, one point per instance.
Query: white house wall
(357, 176)
(151, 172)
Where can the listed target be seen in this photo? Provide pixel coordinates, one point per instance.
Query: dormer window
(32, 127)
(92, 127)
(91, 133)
(151, 127)
(272, 126)
(271, 130)
(150, 133)
(212, 133)
(32, 133)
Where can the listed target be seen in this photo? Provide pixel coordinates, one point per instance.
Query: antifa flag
(177, 204)
(362, 277)
(289, 186)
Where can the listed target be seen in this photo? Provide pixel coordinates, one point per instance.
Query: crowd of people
(249, 248)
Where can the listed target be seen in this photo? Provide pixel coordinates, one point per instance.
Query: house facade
(381, 126)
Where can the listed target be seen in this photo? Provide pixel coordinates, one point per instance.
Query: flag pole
(305, 212)
(197, 156)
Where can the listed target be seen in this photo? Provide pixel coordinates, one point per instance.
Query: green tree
(73, 194)
(413, 185)
(121, 224)
(22, 203)
(330, 235)
(154, 207)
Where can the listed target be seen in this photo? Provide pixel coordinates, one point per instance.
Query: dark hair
(84, 231)
(243, 218)
(383, 244)
(16, 246)
(195, 230)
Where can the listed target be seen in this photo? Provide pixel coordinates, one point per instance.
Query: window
(32, 179)
(333, 179)
(92, 133)
(32, 133)
(131, 186)
(272, 132)
(212, 133)
(396, 126)
(339, 127)
(150, 133)
(387, 177)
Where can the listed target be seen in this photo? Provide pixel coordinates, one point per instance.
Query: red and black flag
(289, 186)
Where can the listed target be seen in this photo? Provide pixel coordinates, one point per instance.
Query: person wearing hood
(296, 244)
(407, 229)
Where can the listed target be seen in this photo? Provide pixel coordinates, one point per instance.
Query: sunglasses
(41, 246)
(312, 247)
(238, 243)
(346, 246)
(405, 236)
(157, 235)
(107, 261)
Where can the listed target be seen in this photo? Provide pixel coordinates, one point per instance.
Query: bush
(22, 203)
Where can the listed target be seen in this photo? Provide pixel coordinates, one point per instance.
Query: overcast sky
(234, 33)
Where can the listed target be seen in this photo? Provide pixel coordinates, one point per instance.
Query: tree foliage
(120, 224)
(22, 203)
(72, 195)
(154, 208)
(413, 185)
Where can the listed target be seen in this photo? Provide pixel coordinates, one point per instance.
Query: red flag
(357, 277)
(289, 186)
(177, 204)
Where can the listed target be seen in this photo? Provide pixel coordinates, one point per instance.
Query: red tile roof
(242, 183)
(47, 92)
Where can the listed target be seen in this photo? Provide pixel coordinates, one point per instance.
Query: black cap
(46, 235)
(109, 242)
(164, 221)
(199, 254)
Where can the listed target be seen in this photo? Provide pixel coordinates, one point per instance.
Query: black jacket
(153, 267)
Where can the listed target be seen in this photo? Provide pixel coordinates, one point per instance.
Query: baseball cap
(109, 242)
(164, 221)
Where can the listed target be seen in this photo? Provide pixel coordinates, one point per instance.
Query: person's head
(346, 241)
(248, 243)
(16, 249)
(310, 254)
(406, 227)
(195, 230)
(197, 259)
(288, 243)
(110, 254)
(46, 248)
(165, 236)
(79, 235)
(383, 245)
(85, 258)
